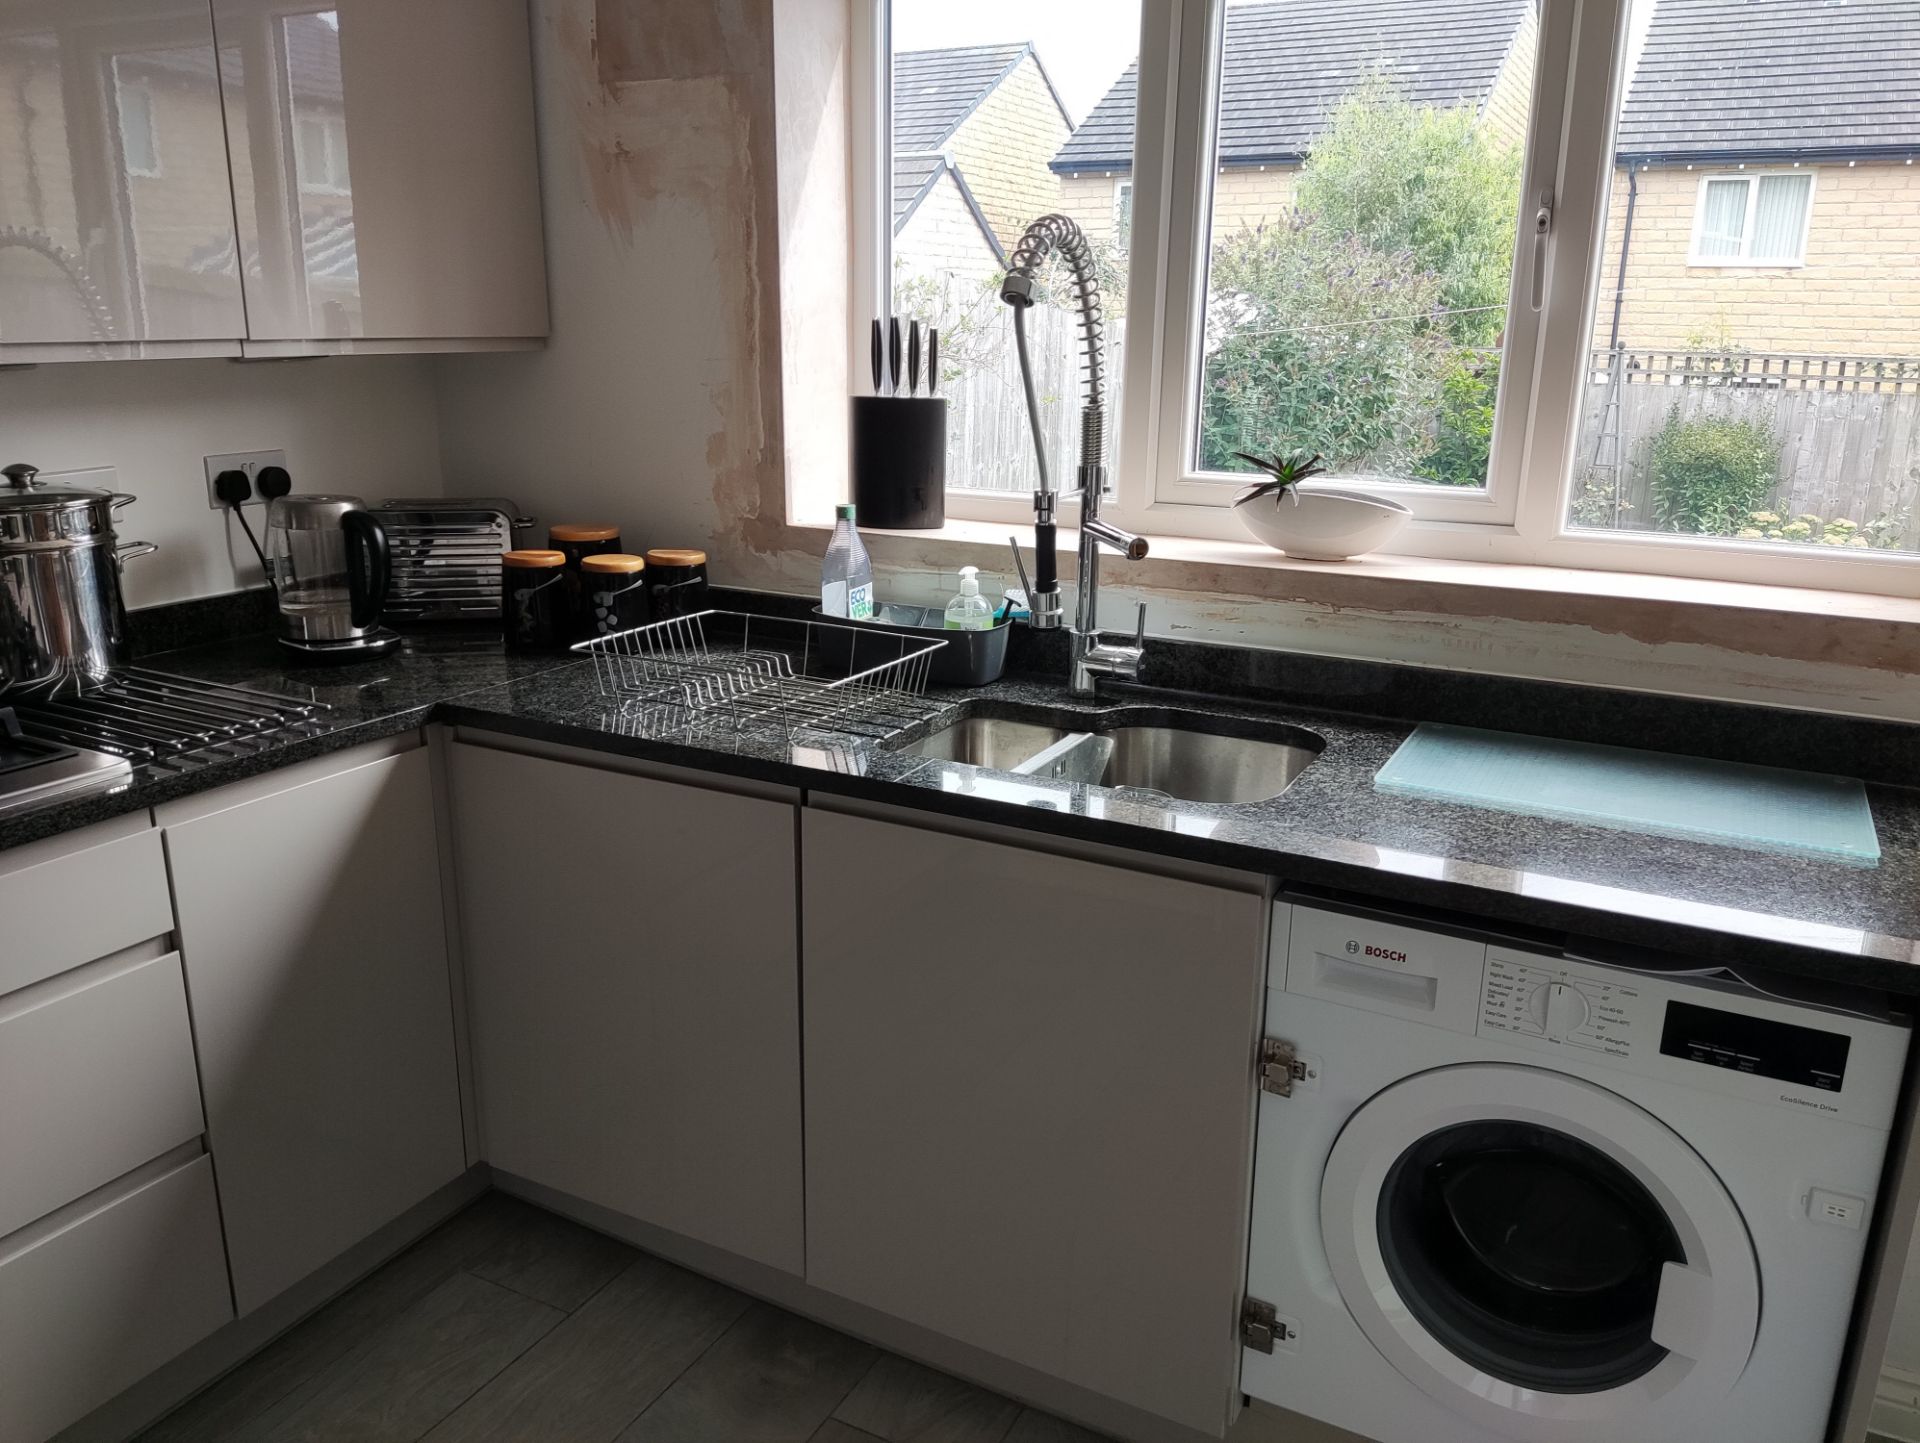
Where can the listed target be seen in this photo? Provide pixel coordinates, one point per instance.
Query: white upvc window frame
(1522, 516)
(1745, 260)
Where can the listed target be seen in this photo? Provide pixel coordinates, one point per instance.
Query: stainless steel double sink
(1181, 762)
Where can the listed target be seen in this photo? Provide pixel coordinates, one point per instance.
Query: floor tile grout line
(672, 1383)
(841, 1402)
(532, 1343)
(545, 1302)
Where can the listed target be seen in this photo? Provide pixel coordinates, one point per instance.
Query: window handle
(1542, 229)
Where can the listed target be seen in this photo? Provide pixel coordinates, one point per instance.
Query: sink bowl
(993, 742)
(1201, 767)
(1175, 761)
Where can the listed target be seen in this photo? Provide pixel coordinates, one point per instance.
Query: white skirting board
(1896, 1405)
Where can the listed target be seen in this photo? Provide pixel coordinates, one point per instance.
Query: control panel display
(1785, 1052)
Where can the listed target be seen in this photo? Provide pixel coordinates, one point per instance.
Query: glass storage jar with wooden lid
(533, 601)
(676, 582)
(613, 594)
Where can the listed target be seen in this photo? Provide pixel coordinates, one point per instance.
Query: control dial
(1559, 1008)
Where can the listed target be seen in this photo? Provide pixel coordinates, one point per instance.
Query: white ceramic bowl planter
(1329, 523)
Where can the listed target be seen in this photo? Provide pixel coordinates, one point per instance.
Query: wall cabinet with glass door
(179, 177)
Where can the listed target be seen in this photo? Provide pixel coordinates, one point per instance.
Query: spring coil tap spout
(1050, 238)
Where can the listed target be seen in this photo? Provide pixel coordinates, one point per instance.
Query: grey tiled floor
(511, 1325)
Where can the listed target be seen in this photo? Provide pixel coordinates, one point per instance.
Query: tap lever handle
(1140, 628)
(1020, 566)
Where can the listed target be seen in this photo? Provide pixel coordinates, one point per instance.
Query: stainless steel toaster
(446, 556)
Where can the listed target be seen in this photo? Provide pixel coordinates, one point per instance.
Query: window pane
(1003, 113)
(1780, 216)
(1723, 217)
(1755, 403)
(1366, 194)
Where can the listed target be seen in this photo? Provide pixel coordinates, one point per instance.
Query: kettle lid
(311, 513)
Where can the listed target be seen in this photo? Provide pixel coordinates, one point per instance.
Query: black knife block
(900, 462)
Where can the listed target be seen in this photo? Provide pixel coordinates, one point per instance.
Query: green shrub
(1463, 434)
(1318, 338)
(1708, 474)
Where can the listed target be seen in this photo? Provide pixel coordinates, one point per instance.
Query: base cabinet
(315, 948)
(1029, 1104)
(632, 984)
(95, 1302)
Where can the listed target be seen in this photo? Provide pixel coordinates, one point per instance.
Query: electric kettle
(328, 559)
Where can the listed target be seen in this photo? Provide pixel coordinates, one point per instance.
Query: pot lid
(20, 490)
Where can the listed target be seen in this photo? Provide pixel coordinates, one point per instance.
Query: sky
(1085, 44)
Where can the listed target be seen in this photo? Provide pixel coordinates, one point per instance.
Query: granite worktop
(1597, 892)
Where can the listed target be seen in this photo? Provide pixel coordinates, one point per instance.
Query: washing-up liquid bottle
(846, 580)
(969, 611)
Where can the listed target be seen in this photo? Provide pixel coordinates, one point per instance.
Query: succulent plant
(1287, 473)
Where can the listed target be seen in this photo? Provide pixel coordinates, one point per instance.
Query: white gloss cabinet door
(632, 988)
(384, 170)
(1029, 1104)
(315, 948)
(116, 214)
(91, 1305)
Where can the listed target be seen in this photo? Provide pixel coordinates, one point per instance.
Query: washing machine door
(1540, 1255)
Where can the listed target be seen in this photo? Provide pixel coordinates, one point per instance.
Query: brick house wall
(1857, 294)
(1509, 105)
(1004, 147)
(943, 238)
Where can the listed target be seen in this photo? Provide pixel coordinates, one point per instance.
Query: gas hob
(136, 723)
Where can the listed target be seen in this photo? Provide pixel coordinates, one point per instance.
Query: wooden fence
(1849, 428)
(989, 443)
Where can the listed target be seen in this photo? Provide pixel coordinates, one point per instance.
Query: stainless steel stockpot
(63, 620)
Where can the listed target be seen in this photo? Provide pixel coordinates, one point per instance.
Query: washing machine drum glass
(1529, 1253)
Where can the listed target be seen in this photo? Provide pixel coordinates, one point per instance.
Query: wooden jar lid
(533, 560)
(595, 531)
(614, 561)
(674, 557)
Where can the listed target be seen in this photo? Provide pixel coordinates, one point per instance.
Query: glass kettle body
(330, 566)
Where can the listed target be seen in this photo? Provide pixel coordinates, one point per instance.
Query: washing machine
(1503, 1195)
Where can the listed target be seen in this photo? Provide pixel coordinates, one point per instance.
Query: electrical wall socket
(251, 462)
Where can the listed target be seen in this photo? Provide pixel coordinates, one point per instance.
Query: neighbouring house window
(138, 142)
(1549, 274)
(321, 154)
(1753, 219)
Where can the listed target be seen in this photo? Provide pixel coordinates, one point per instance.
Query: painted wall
(943, 238)
(360, 425)
(656, 404)
(1857, 294)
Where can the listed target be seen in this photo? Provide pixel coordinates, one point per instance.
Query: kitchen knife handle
(879, 359)
(913, 358)
(893, 354)
(933, 360)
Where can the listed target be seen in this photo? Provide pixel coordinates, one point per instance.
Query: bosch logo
(1386, 954)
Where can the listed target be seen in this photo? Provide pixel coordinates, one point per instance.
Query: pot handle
(120, 502)
(128, 550)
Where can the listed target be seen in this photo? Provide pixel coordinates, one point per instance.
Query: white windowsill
(1882, 632)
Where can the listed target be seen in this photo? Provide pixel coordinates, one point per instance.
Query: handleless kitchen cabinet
(632, 989)
(385, 178)
(1029, 1104)
(116, 213)
(311, 926)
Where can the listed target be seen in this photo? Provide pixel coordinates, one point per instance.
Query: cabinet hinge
(1258, 1323)
(1280, 1068)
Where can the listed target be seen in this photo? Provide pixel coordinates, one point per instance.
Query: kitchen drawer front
(98, 1304)
(103, 1072)
(80, 905)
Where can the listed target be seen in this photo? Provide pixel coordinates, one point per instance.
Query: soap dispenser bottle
(969, 611)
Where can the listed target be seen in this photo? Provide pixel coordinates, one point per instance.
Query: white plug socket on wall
(251, 462)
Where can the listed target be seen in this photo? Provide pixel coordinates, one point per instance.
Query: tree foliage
(1363, 326)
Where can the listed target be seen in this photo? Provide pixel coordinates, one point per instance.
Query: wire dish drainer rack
(737, 670)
